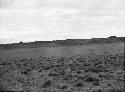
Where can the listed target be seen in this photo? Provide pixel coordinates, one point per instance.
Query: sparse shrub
(96, 84)
(91, 79)
(27, 71)
(79, 84)
(47, 83)
(109, 84)
(62, 86)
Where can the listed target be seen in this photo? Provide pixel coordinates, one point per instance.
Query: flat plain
(95, 67)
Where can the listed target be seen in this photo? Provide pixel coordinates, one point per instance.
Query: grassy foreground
(88, 73)
(88, 68)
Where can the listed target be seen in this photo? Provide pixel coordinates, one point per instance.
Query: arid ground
(82, 68)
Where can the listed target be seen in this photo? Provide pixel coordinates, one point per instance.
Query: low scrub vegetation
(62, 73)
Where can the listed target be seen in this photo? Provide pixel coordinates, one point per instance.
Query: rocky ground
(80, 73)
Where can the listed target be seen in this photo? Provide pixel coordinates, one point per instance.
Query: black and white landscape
(62, 46)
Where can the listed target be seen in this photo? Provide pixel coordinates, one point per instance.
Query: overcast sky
(31, 20)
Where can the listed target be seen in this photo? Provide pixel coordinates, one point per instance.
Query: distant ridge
(67, 42)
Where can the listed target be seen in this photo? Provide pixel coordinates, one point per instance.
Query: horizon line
(60, 40)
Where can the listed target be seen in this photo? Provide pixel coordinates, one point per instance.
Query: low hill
(67, 42)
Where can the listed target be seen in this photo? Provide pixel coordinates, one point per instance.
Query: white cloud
(30, 20)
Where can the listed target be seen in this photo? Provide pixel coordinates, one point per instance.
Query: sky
(35, 20)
